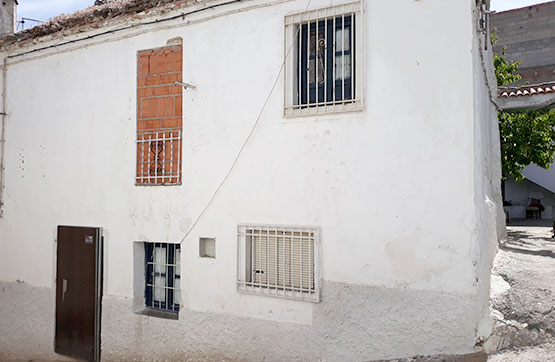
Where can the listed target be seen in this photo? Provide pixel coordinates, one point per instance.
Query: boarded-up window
(159, 116)
(279, 261)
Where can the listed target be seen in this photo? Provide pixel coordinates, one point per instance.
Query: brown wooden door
(78, 292)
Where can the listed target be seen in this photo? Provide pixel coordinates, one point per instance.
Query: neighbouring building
(248, 180)
(528, 36)
(8, 16)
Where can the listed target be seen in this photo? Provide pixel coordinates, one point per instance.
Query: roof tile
(526, 90)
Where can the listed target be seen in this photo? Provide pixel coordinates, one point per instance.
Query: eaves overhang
(529, 97)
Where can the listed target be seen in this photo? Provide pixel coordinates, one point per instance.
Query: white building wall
(519, 194)
(538, 182)
(544, 178)
(393, 188)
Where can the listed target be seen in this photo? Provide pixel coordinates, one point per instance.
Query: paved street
(523, 294)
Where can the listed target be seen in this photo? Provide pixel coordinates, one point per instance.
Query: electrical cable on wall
(492, 98)
(249, 136)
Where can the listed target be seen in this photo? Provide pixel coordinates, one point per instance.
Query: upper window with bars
(278, 261)
(323, 60)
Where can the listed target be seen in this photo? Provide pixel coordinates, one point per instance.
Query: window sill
(158, 313)
(245, 288)
(295, 111)
(154, 184)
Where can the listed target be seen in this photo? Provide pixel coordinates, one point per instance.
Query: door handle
(64, 289)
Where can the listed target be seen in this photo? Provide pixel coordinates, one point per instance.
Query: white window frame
(309, 235)
(293, 23)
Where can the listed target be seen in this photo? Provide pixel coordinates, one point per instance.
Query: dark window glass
(325, 65)
(162, 274)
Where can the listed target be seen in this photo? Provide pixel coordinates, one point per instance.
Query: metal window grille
(324, 65)
(159, 157)
(163, 275)
(279, 261)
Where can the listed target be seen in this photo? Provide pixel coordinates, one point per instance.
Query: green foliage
(505, 71)
(526, 136)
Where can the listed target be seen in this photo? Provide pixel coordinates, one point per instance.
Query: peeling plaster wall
(393, 188)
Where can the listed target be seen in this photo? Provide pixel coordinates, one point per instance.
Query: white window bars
(323, 50)
(159, 157)
(279, 261)
(163, 275)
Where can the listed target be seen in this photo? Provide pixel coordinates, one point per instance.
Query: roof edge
(94, 17)
(524, 7)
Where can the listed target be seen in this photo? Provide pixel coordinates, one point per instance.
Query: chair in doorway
(534, 210)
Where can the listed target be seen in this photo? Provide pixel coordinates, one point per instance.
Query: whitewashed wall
(392, 187)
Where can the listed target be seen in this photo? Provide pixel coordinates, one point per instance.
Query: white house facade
(258, 180)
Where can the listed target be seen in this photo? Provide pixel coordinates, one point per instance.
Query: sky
(502, 5)
(46, 9)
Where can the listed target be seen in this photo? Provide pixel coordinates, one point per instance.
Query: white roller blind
(282, 259)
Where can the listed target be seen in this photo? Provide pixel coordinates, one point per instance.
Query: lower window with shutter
(279, 261)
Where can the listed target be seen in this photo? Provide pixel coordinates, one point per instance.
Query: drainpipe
(3, 134)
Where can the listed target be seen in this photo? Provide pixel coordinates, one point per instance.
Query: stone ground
(523, 294)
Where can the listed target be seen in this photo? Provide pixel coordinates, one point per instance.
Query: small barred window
(279, 261)
(162, 276)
